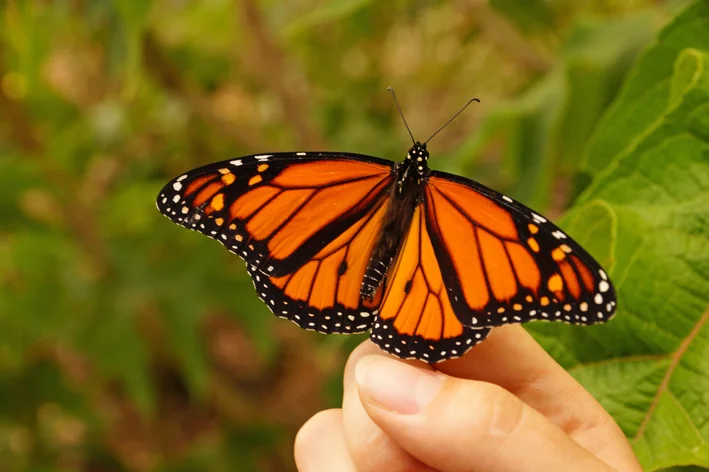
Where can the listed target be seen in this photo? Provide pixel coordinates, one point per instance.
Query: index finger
(512, 359)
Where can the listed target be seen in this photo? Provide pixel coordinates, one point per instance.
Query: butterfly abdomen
(403, 200)
(373, 277)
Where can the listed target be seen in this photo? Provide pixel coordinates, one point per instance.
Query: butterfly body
(410, 177)
(426, 261)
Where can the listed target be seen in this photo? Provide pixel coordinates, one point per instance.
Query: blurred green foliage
(129, 344)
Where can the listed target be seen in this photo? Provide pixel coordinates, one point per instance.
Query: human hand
(505, 406)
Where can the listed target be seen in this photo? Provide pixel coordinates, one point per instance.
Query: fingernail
(396, 386)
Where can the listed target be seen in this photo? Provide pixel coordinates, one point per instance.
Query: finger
(457, 425)
(320, 444)
(512, 359)
(371, 449)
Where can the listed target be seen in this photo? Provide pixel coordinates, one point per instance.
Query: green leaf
(645, 94)
(598, 56)
(645, 217)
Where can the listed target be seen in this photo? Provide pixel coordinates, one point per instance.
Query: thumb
(456, 425)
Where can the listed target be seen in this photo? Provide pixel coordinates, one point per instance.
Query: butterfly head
(417, 157)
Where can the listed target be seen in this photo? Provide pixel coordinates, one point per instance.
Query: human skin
(505, 406)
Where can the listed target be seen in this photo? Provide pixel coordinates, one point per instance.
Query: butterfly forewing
(276, 211)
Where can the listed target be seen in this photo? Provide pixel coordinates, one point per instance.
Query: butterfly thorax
(413, 169)
(410, 176)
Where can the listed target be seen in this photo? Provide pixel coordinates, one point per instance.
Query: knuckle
(371, 449)
(496, 412)
(575, 399)
(389, 457)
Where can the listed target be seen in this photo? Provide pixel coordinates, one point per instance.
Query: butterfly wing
(416, 318)
(324, 294)
(502, 263)
(277, 211)
(304, 224)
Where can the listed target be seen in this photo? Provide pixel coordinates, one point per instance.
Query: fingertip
(396, 386)
(368, 348)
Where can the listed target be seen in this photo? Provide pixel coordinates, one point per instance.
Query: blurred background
(130, 344)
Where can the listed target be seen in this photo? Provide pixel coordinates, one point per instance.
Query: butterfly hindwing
(416, 319)
(503, 263)
(324, 293)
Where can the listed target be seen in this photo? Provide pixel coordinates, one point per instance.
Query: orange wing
(503, 263)
(416, 319)
(324, 294)
(277, 211)
(304, 223)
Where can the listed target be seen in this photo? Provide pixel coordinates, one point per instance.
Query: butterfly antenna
(402, 114)
(452, 118)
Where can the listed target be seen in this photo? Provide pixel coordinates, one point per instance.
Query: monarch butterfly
(427, 261)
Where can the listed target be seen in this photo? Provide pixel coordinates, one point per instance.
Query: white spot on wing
(236, 162)
(603, 286)
(300, 154)
(506, 198)
(538, 218)
(177, 186)
(263, 157)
